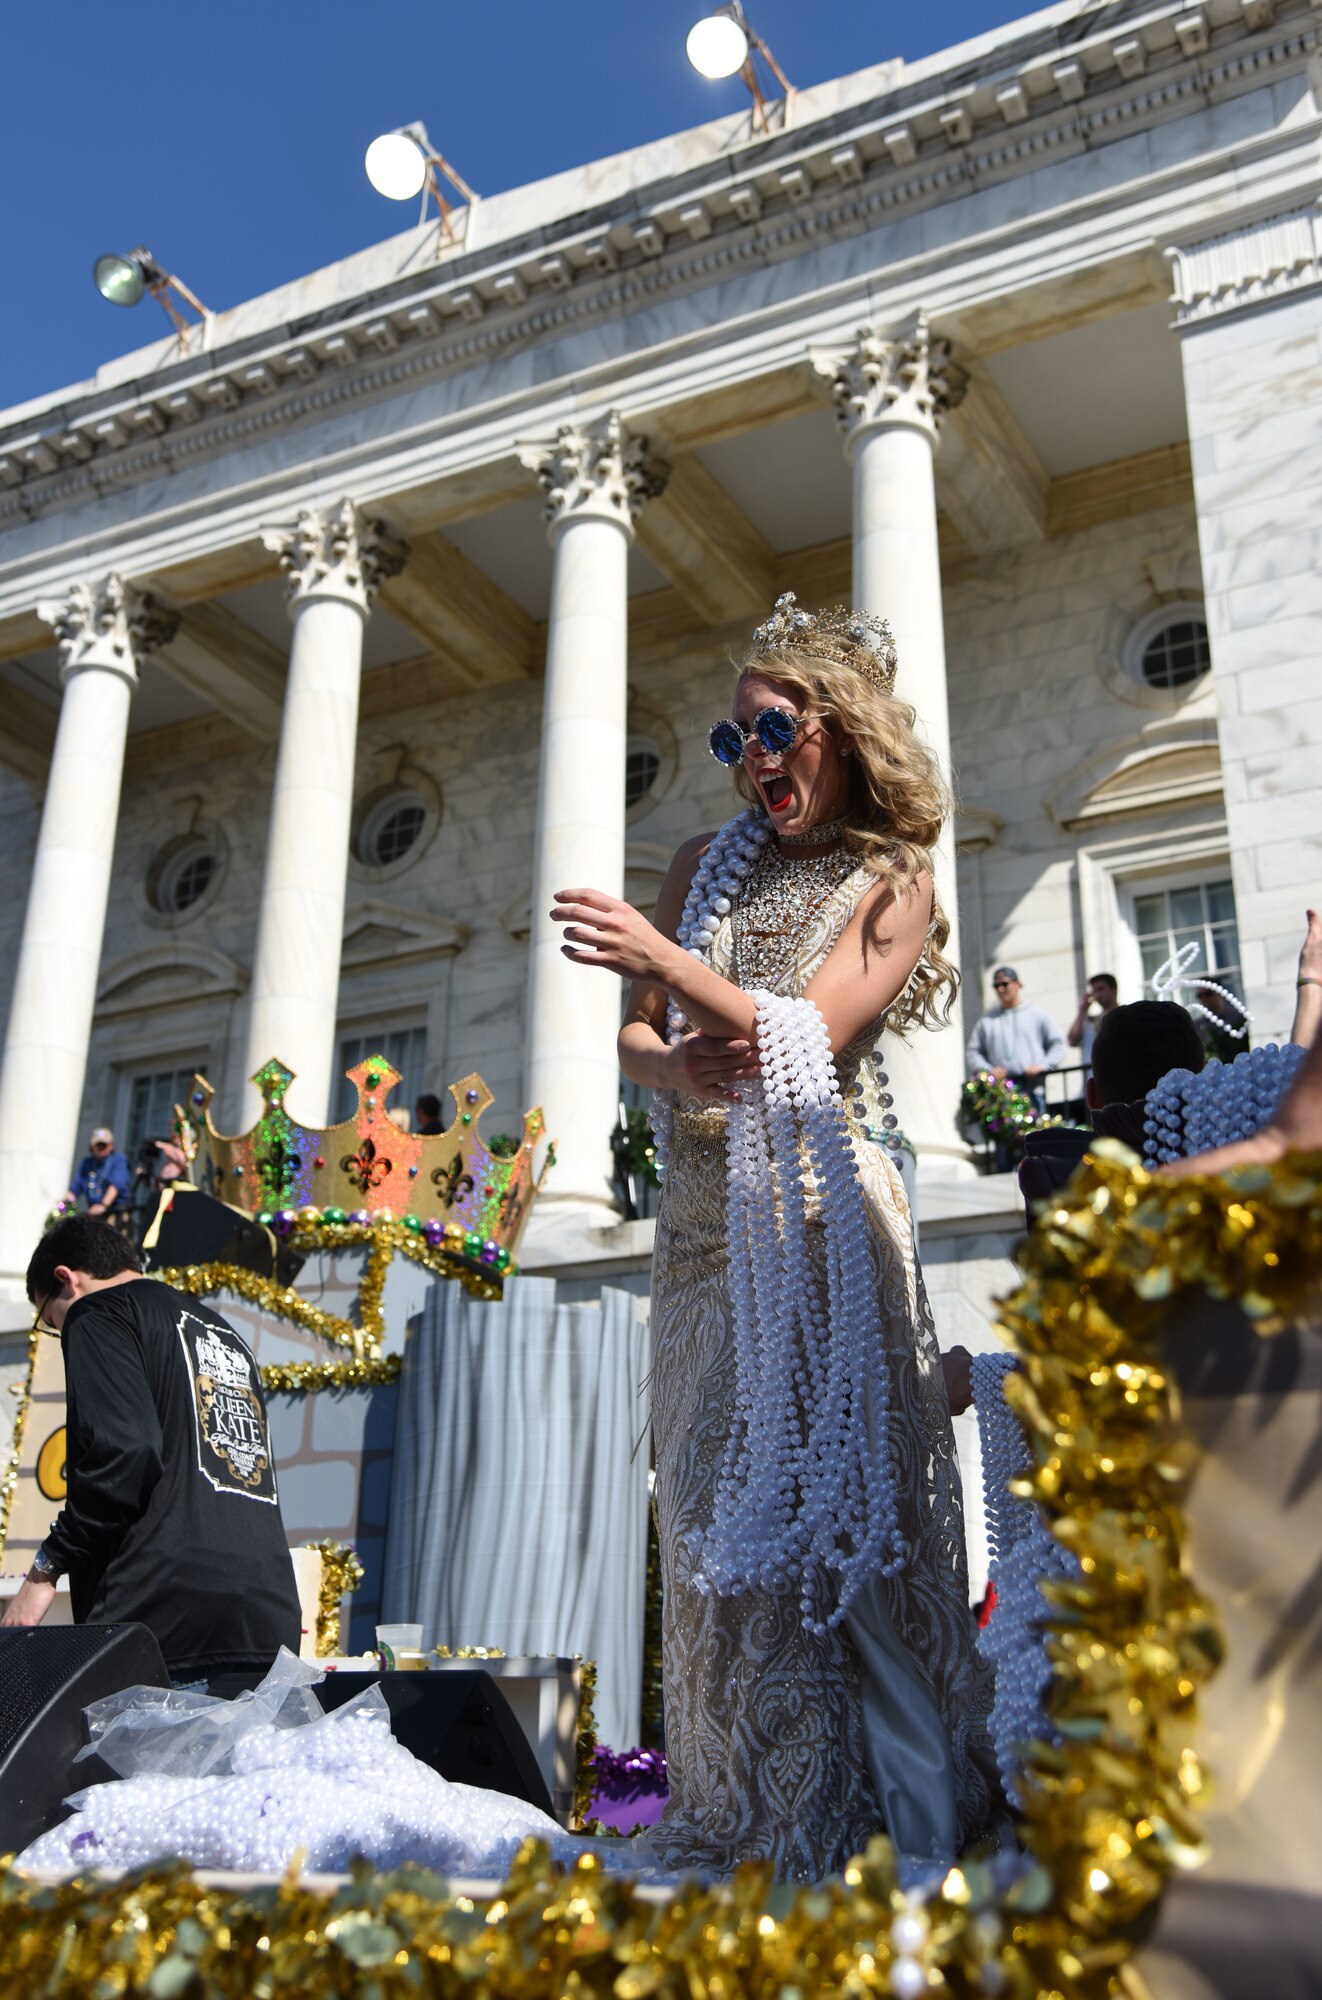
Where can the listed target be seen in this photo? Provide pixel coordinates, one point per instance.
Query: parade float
(330, 1242)
(1162, 1332)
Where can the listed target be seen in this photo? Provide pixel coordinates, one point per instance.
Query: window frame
(169, 860)
(377, 814)
(141, 1069)
(1201, 879)
(1176, 611)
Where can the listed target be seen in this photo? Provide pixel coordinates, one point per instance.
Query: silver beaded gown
(779, 1745)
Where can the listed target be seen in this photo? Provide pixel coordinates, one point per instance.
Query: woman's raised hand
(607, 932)
(706, 1066)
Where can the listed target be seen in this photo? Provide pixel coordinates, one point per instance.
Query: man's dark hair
(429, 1108)
(1105, 979)
(1137, 1045)
(81, 1243)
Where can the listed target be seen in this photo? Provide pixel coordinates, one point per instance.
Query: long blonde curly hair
(898, 800)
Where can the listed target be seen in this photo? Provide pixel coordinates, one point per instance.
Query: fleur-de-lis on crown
(452, 1182)
(366, 1168)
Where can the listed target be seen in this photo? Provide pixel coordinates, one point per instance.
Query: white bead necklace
(1168, 982)
(806, 1496)
(1025, 1555)
(1187, 1114)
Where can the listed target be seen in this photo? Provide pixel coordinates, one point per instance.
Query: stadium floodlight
(404, 162)
(725, 43)
(126, 281)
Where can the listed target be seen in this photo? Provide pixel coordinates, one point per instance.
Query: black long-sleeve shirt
(171, 1518)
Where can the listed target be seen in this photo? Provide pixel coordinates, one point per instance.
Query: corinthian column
(101, 628)
(891, 392)
(334, 561)
(596, 478)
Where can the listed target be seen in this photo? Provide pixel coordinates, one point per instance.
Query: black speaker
(458, 1723)
(195, 1228)
(48, 1676)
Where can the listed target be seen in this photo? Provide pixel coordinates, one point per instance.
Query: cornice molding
(1247, 267)
(844, 174)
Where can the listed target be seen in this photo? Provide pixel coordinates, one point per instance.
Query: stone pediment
(379, 933)
(1172, 764)
(167, 975)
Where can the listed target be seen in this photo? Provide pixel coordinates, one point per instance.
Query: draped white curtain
(518, 1510)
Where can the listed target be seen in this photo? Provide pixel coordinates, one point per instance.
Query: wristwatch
(43, 1570)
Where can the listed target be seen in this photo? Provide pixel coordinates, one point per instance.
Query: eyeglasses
(776, 729)
(39, 1322)
(100, 1145)
(1002, 985)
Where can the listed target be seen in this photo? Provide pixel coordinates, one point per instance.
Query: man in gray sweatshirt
(1015, 1040)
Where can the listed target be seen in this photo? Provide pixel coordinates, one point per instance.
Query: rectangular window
(1201, 913)
(151, 1101)
(405, 1049)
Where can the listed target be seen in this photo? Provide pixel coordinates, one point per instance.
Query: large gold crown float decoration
(467, 1198)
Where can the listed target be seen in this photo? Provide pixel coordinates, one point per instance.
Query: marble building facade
(334, 641)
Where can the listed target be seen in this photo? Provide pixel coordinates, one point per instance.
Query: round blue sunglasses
(774, 728)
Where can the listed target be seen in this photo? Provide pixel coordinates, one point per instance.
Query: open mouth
(777, 791)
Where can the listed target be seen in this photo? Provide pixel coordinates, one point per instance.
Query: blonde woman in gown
(784, 1744)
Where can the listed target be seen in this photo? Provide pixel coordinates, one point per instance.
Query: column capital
(335, 553)
(106, 624)
(596, 471)
(891, 378)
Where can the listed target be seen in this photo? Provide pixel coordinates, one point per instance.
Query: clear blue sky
(230, 138)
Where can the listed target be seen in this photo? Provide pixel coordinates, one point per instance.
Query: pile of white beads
(1226, 1102)
(1025, 1554)
(806, 1496)
(336, 1787)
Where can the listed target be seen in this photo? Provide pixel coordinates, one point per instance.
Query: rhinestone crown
(854, 638)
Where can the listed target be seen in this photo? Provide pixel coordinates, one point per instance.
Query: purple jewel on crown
(852, 638)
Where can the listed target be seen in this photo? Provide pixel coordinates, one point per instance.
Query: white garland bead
(1025, 1554)
(1188, 1114)
(806, 1495)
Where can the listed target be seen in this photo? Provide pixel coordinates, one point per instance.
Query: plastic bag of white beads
(173, 1733)
(274, 1778)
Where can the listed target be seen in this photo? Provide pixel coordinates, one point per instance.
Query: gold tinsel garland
(585, 1742)
(300, 1377)
(341, 1571)
(203, 1281)
(1110, 1811)
(381, 1240)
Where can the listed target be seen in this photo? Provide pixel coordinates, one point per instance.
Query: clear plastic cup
(393, 1641)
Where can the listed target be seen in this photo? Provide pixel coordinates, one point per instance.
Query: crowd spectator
(427, 1115)
(1016, 1041)
(1100, 997)
(103, 1178)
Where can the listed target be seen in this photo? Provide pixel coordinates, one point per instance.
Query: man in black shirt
(171, 1518)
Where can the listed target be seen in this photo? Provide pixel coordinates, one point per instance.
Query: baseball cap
(1005, 972)
(102, 1134)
